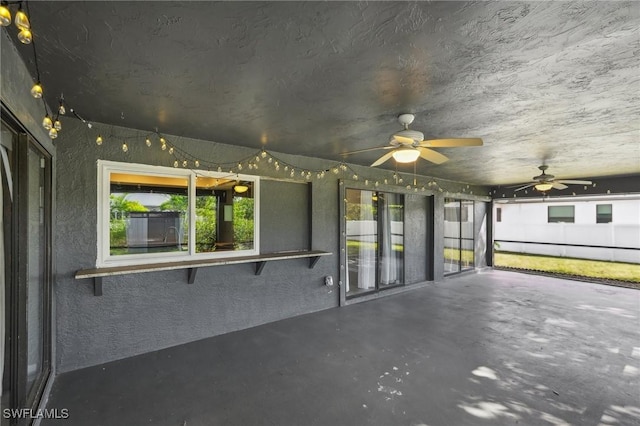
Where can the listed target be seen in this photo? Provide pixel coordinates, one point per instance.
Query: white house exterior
(569, 227)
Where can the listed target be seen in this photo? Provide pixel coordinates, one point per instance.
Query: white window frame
(105, 259)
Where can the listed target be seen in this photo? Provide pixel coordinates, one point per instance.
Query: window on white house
(150, 214)
(561, 214)
(604, 213)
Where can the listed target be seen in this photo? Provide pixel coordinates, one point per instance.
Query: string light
(36, 90)
(5, 15)
(47, 123)
(53, 133)
(184, 159)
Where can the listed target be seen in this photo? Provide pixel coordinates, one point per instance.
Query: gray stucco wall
(416, 217)
(145, 312)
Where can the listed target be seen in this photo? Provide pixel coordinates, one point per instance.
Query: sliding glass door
(458, 235)
(26, 254)
(374, 241)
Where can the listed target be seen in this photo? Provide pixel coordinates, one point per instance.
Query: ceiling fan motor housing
(414, 135)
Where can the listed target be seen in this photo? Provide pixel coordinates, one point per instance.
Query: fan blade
(524, 187)
(366, 150)
(431, 155)
(575, 182)
(558, 185)
(449, 143)
(383, 159)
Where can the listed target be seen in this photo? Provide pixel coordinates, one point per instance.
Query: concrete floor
(490, 348)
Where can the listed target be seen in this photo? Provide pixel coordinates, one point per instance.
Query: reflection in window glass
(147, 214)
(155, 214)
(224, 215)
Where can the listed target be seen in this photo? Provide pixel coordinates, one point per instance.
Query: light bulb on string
(25, 36)
(53, 133)
(21, 20)
(148, 142)
(57, 125)
(197, 163)
(175, 163)
(5, 15)
(184, 163)
(61, 109)
(99, 140)
(171, 150)
(46, 122)
(36, 90)
(125, 148)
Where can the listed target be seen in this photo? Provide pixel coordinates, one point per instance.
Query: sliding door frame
(17, 326)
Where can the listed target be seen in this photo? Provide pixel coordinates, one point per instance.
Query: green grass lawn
(562, 265)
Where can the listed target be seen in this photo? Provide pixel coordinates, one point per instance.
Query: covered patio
(492, 347)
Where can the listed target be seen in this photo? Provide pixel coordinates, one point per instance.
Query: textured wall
(145, 312)
(291, 200)
(416, 217)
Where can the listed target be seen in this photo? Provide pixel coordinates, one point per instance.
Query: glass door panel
(466, 235)
(458, 235)
(451, 236)
(36, 251)
(392, 239)
(361, 240)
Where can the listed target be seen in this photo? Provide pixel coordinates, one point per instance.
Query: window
(498, 214)
(375, 241)
(604, 213)
(458, 235)
(155, 214)
(561, 214)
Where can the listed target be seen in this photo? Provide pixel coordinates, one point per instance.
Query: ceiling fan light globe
(543, 187)
(406, 155)
(241, 188)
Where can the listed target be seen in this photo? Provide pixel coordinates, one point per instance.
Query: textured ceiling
(538, 81)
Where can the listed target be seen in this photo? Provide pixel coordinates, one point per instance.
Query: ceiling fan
(407, 145)
(544, 182)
